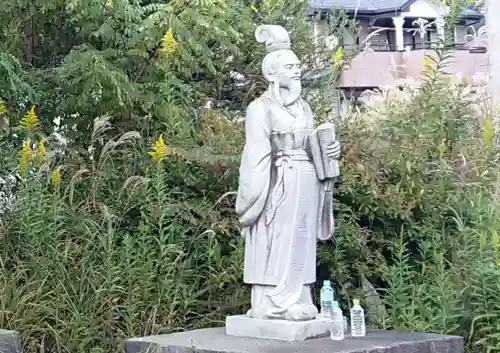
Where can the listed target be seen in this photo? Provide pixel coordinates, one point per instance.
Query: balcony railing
(383, 47)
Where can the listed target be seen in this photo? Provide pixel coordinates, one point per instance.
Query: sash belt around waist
(293, 155)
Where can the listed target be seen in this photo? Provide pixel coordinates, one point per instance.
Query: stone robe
(283, 210)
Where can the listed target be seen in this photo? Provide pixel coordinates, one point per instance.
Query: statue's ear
(269, 70)
(270, 77)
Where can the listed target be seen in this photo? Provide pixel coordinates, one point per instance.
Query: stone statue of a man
(283, 206)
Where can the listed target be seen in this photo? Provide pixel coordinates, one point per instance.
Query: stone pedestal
(10, 342)
(215, 340)
(244, 326)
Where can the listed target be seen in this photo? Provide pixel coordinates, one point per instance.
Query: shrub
(94, 255)
(417, 214)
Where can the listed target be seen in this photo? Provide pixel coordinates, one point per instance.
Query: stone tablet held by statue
(283, 207)
(319, 141)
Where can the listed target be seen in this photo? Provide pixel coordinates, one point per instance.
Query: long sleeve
(255, 168)
(326, 222)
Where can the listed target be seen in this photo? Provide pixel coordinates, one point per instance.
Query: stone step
(215, 340)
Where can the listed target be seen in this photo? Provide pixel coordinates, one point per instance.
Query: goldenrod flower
(442, 146)
(488, 132)
(40, 151)
(337, 57)
(30, 120)
(55, 177)
(3, 107)
(168, 43)
(160, 150)
(25, 156)
(428, 64)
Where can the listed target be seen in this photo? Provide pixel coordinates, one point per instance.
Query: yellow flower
(160, 150)
(338, 56)
(442, 146)
(3, 107)
(253, 8)
(428, 64)
(168, 43)
(55, 177)
(488, 132)
(109, 3)
(40, 151)
(30, 120)
(25, 156)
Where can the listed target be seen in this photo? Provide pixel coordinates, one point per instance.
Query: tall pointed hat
(273, 36)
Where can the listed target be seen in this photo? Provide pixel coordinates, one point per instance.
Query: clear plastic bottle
(358, 328)
(326, 298)
(337, 324)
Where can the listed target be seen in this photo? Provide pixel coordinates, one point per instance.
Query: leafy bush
(132, 239)
(122, 223)
(96, 254)
(417, 209)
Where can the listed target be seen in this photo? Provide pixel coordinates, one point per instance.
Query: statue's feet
(297, 312)
(301, 312)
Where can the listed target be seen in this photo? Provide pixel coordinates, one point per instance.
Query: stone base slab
(10, 342)
(215, 340)
(284, 330)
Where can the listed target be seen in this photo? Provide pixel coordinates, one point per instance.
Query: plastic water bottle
(358, 328)
(326, 298)
(337, 324)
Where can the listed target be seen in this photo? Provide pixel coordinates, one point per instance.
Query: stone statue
(284, 208)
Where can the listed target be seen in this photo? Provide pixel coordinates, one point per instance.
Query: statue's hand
(333, 151)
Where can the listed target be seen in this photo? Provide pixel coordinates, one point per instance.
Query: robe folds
(283, 207)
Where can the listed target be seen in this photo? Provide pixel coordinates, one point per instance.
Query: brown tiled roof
(376, 69)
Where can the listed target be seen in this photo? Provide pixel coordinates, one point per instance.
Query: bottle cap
(335, 304)
(327, 282)
(355, 301)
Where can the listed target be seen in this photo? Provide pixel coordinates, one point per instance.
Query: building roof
(372, 7)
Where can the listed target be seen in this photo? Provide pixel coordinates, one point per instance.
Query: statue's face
(289, 70)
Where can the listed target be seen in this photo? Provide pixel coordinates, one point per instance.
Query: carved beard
(294, 90)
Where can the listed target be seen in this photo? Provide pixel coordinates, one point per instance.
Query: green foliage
(130, 243)
(417, 213)
(104, 256)
(124, 245)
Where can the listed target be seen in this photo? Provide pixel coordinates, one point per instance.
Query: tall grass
(104, 256)
(418, 211)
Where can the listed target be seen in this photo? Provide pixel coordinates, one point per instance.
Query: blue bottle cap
(327, 282)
